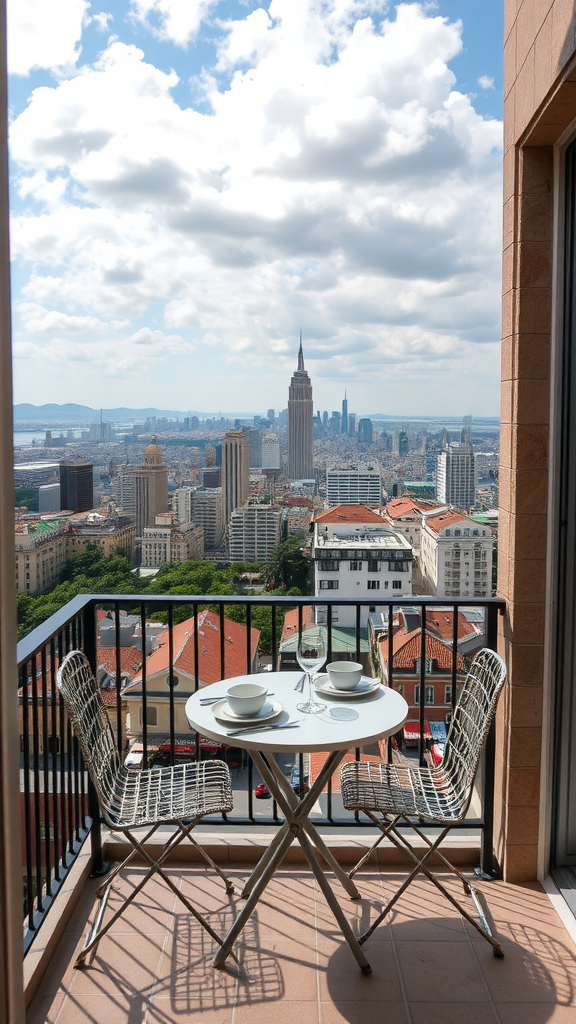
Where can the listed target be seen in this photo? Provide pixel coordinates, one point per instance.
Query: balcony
(155, 965)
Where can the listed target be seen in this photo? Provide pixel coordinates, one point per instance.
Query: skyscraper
(344, 420)
(365, 432)
(76, 485)
(300, 416)
(235, 472)
(456, 475)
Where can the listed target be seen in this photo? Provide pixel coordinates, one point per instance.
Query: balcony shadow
(442, 962)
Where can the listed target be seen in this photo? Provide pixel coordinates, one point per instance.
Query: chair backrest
(471, 721)
(90, 722)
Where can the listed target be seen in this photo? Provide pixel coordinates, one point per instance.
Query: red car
(262, 792)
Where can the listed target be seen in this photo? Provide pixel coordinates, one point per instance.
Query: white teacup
(344, 675)
(246, 698)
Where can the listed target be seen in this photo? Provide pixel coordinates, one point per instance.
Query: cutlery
(260, 728)
(213, 700)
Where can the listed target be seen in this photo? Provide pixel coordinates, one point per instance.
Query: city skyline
(269, 185)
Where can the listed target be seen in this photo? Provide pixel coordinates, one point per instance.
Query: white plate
(366, 686)
(223, 711)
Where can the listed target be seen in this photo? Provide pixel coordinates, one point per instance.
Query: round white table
(345, 724)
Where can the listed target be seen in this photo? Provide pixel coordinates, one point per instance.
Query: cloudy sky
(196, 180)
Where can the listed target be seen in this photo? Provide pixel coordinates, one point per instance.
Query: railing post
(89, 637)
(486, 869)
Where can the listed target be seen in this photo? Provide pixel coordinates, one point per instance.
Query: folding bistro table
(344, 725)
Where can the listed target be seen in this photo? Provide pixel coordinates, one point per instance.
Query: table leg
(332, 902)
(307, 825)
(264, 859)
(244, 915)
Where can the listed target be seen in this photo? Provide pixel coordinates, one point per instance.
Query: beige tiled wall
(539, 103)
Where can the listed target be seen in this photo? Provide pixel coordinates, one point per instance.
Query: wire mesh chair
(392, 793)
(134, 799)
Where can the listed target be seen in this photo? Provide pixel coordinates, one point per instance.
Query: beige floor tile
(341, 979)
(278, 1013)
(352, 1012)
(539, 1013)
(453, 1013)
(440, 972)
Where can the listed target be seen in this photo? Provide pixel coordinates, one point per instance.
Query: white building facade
(270, 451)
(357, 485)
(358, 556)
(254, 532)
(170, 541)
(456, 476)
(456, 556)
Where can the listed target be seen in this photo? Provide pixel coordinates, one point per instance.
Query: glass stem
(310, 695)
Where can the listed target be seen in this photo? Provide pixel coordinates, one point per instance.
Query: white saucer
(366, 686)
(222, 710)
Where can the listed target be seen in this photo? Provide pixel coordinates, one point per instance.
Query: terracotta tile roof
(448, 518)
(130, 660)
(209, 668)
(291, 621)
(349, 514)
(401, 506)
(406, 649)
(441, 622)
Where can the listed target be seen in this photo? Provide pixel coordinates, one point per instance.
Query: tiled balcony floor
(428, 966)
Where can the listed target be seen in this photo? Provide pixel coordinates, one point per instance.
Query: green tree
(287, 569)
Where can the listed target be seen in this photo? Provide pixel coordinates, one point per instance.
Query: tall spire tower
(344, 420)
(300, 423)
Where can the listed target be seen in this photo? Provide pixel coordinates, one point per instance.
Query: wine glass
(311, 654)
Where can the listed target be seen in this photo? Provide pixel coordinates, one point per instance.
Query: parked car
(262, 792)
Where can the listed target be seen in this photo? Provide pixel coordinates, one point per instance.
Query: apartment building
(254, 532)
(355, 485)
(407, 515)
(359, 556)
(456, 556)
(170, 541)
(456, 475)
(207, 512)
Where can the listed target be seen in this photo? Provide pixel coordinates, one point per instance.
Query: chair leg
(97, 931)
(380, 839)
(421, 866)
(227, 881)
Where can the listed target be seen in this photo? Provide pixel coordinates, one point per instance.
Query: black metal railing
(59, 805)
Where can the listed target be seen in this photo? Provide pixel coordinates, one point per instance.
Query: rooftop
(388, 541)
(349, 514)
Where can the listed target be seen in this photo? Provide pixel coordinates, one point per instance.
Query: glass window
(373, 565)
(329, 565)
(373, 584)
(447, 694)
(396, 584)
(328, 584)
(457, 533)
(429, 694)
(151, 715)
(355, 566)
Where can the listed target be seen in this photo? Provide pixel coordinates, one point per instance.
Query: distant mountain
(83, 413)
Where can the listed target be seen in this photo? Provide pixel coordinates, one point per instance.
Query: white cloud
(44, 33)
(338, 181)
(485, 82)
(175, 20)
(102, 21)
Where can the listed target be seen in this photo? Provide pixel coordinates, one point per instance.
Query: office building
(456, 476)
(358, 556)
(182, 503)
(456, 556)
(207, 512)
(253, 436)
(357, 485)
(211, 476)
(235, 472)
(142, 491)
(254, 532)
(300, 426)
(35, 474)
(170, 541)
(49, 498)
(403, 445)
(351, 424)
(344, 420)
(76, 485)
(270, 452)
(365, 431)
